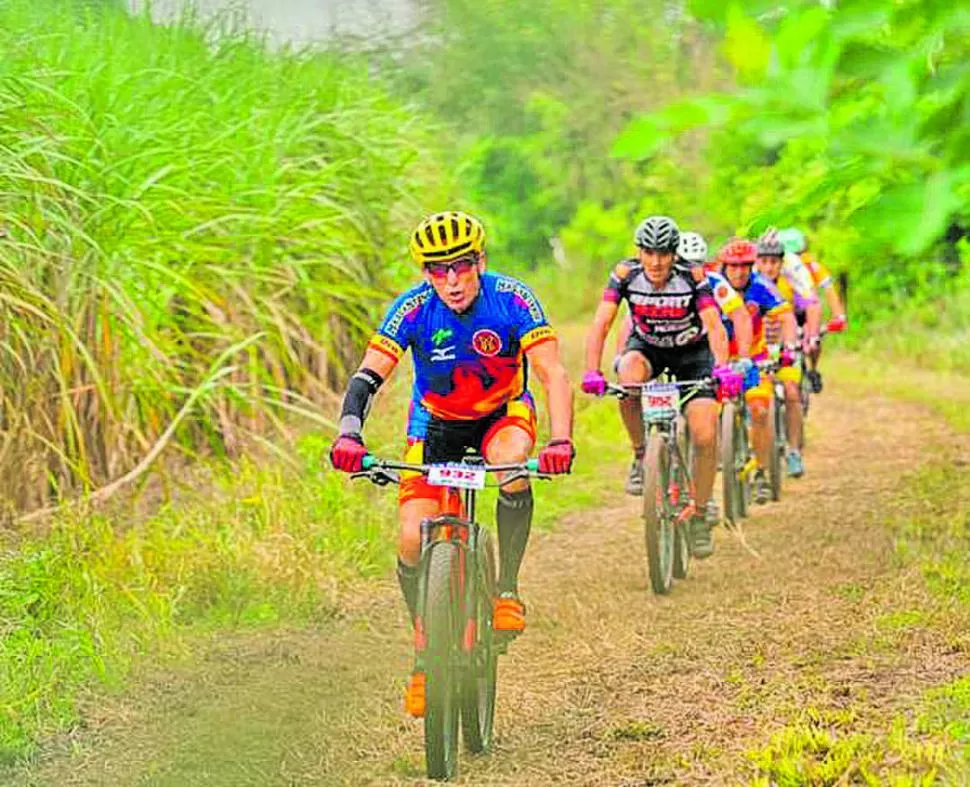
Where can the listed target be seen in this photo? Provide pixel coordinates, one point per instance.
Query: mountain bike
(454, 643)
(668, 488)
(737, 459)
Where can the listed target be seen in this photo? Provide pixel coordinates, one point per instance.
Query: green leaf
(860, 18)
(773, 130)
(746, 45)
(640, 139)
(797, 32)
(912, 216)
(644, 135)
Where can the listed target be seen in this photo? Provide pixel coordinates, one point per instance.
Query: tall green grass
(260, 543)
(197, 230)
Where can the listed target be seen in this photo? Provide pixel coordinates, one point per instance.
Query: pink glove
(837, 324)
(729, 382)
(348, 452)
(557, 457)
(594, 383)
(787, 358)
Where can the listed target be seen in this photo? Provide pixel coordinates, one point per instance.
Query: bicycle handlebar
(384, 471)
(530, 466)
(622, 390)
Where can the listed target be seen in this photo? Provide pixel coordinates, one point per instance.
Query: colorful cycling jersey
(665, 317)
(725, 296)
(466, 366)
(821, 276)
(795, 283)
(762, 300)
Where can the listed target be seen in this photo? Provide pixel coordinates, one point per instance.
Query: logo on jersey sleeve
(486, 342)
(406, 309)
(523, 296)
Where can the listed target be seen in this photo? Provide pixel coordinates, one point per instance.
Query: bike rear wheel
(805, 394)
(658, 516)
(679, 475)
(440, 661)
(479, 680)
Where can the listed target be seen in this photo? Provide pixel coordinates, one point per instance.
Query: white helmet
(692, 247)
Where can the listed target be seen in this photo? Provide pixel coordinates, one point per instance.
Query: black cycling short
(450, 441)
(685, 363)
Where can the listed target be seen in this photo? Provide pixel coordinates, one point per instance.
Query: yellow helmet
(446, 236)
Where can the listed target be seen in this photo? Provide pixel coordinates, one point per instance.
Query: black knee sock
(513, 512)
(407, 577)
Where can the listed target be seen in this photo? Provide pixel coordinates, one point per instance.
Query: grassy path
(828, 636)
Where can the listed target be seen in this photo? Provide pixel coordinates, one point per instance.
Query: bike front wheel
(481, 672)
(440, 662)
(729, 474)
(658, 515)
(776, 472)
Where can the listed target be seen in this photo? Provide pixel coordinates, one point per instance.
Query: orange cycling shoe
(508, 614)
(414, 695)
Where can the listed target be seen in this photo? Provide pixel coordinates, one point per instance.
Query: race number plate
(460, 476)
(660, 402)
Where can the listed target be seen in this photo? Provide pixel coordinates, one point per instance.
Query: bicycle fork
(462, 534)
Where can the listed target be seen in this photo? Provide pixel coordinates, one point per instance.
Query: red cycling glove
(837, 324)
(348, 452)
(557, 457)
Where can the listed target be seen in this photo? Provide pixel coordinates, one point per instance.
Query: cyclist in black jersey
(676, 326)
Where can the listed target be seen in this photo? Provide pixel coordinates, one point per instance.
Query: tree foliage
(853, 120)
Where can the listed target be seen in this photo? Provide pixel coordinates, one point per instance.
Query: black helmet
(657, 233)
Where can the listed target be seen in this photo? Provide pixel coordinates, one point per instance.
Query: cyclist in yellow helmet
(472, 335)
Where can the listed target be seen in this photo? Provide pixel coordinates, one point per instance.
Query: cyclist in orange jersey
(474, 337)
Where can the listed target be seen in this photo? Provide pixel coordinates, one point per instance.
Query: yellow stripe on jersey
(537, 336)
(386, 345)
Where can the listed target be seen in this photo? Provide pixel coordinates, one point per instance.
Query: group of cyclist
(475, 336)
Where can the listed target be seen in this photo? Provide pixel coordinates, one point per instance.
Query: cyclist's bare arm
(789, 328)
(626, 328)
(716, 335)
(596, 338)
(544, 360)
(743, 331)
(813, 318)
(834, 301)
(378, 362)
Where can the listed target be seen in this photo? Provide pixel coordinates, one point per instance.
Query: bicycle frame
(455, 522)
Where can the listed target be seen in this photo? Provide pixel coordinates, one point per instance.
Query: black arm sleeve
(357, 401)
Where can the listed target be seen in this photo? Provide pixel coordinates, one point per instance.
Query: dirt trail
(611, 685)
